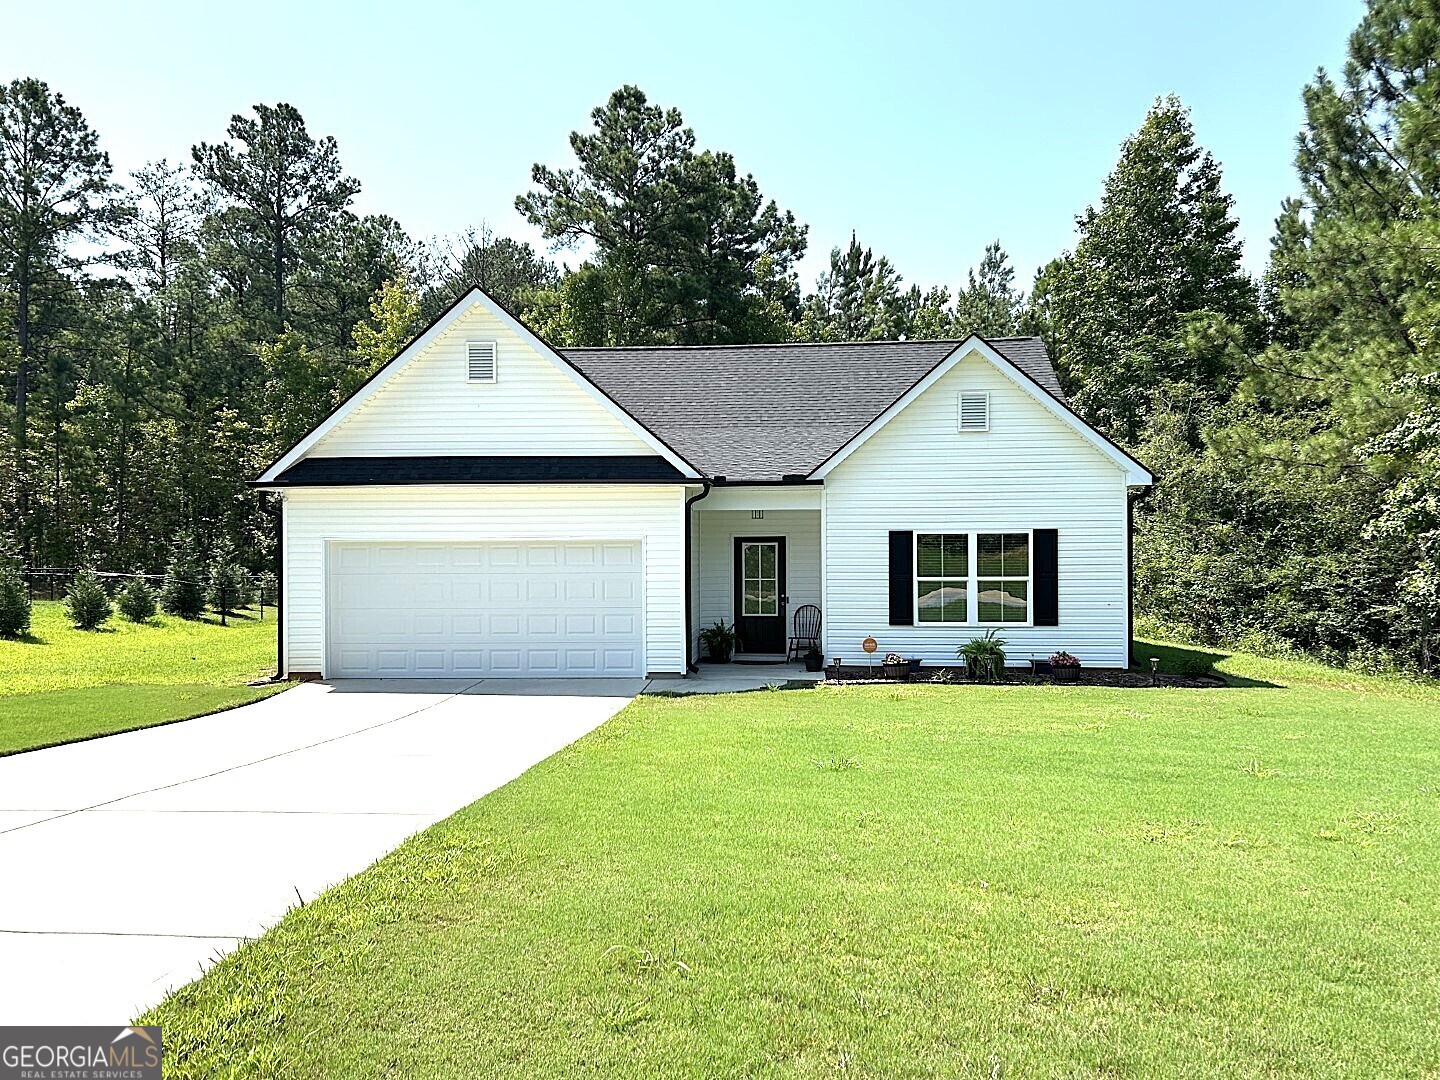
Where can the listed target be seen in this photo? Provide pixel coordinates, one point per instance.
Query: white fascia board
(1136, 475)
(457, 309)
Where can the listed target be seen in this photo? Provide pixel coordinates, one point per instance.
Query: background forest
(165, 335)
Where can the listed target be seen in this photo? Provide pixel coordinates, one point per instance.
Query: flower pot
(1067, 673)
(814, 662)
(718, 656)
(1041, 667)
(914, 664)
(896, 671)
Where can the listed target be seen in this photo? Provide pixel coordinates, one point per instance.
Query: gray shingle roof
(758, 412)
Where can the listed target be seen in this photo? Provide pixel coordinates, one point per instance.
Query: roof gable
(1135, 473)
(421, 402)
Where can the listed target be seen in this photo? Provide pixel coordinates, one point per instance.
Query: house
(488, 505)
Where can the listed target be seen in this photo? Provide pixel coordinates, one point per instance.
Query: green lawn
(62, 684)
(890, 882)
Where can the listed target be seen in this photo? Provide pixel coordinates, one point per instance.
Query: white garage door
(488, 610)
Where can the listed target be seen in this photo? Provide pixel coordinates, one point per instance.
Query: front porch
(756, 554)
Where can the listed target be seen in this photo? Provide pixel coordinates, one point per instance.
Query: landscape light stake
(1154, 670)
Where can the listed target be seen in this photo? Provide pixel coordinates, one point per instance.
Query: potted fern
(984, 657)
(719, 641)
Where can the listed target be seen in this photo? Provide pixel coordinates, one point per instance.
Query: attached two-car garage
(484, 610)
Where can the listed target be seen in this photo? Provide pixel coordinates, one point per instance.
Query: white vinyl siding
(715, 555)
(318, 519)
(1031, 471)
(431, 406)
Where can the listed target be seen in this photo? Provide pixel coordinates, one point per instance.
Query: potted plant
(814, 659)
(896, 666)
(719, 641)
(1065, 668)
(984, 657)
(914, 663)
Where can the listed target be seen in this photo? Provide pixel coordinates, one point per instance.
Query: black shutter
(1045, 554)
(902, 578)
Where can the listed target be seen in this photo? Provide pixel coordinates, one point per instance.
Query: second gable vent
(975, 411)
(480, 360)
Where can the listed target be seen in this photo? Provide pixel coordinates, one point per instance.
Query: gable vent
(480, 361)
(975, 410)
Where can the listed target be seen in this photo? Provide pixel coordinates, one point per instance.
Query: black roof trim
(407, 471)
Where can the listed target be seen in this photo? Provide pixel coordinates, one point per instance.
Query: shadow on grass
(1188, 661)
(26, 638)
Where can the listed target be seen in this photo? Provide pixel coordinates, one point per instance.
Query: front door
(760, 593)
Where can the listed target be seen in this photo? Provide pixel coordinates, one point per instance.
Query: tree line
(169, 333)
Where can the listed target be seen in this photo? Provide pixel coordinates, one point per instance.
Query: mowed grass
(905, 881)
(62, 684)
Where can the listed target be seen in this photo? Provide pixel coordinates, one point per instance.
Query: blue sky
(930, 128)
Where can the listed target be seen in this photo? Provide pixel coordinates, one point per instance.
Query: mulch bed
(954, 676)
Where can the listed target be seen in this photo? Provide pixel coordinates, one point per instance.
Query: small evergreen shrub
(137, 601)
(87, 602)
(14, 602)
(183, 591)
(229, 585)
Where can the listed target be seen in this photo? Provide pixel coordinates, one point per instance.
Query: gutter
(690, 666)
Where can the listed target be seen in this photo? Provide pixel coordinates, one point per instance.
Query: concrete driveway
(128, 863)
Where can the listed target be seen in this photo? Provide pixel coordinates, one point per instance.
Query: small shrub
(14, 596)
(719, 641)
(183, 591)
(14, 602)
(229, 586)
(136, 601)
(87, 602)
(984, 657)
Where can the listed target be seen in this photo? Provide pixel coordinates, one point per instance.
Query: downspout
(1130, 578)
(280, 586)
(690, 666)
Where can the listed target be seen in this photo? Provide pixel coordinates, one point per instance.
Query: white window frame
(495, 363)
(973, 576)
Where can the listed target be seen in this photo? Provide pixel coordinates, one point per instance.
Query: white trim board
(443, 323)
(1136, 475)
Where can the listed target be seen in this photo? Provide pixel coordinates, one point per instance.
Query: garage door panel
(541, 556)
(617, 588)
(504, 590)
(618, 556)
(620, 658)
(426, 610)
(620, 625)
(579, 625)
(579, 590)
